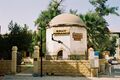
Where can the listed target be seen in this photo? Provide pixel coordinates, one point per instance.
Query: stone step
(24, 74)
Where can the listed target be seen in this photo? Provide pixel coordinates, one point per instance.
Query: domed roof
(66, 19)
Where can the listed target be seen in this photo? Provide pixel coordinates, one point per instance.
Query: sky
(27, 11)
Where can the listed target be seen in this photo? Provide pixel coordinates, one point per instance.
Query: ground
(114, 76)
(57, 78)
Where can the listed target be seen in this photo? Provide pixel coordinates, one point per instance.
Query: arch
(60, 55)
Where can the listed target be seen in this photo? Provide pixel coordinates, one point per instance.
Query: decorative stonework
(61, 31)
(77, 36)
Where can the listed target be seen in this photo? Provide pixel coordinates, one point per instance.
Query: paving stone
(10, 77)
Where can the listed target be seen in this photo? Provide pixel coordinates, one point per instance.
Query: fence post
(14, 59)
(36, 60)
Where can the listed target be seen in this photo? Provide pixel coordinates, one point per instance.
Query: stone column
(36, 60)
(14, 59)
(94, 72)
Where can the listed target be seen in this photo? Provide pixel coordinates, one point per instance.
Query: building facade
(66, 37)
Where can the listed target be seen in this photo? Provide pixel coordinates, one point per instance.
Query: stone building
(66, 38)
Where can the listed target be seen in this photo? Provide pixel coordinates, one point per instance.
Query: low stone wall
(66, 67)
(70, 57)
(77, 57)
(25, 69)
(5, 67)
(102, 65)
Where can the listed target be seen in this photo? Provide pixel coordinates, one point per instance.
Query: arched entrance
(60, 55)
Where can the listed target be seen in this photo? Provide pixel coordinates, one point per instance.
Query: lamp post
(41, 51)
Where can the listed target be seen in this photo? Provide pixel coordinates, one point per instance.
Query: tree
(98, 32)
(45, 17)
(112, 46)
(73, 12)
(4, 47)
(102, 9)
(20, 37)
(96, 29)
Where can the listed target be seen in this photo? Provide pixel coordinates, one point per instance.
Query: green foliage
(102, 9)
(45, 17)
(97, 31)
(18, 36)
(4, 47)
(112, 46)
(73, 11)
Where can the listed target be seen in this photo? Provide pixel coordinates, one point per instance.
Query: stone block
(66, 67)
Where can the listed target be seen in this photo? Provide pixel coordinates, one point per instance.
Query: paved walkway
(11, 77)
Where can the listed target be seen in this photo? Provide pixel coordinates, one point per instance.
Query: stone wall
(66, 67)
(59, 67)
(70, 57)
(5, 67)
(102, 66)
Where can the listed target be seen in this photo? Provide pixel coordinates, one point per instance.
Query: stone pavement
(11, 77)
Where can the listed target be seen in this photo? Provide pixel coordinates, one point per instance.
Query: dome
(66, 19)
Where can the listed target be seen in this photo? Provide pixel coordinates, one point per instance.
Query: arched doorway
(60, 55)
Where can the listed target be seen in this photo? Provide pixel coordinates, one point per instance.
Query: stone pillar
(36, 60)
(14, 59)
(94, 72)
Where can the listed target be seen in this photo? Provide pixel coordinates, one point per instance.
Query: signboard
(95, 62)
(61, 31)
(77, 36)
